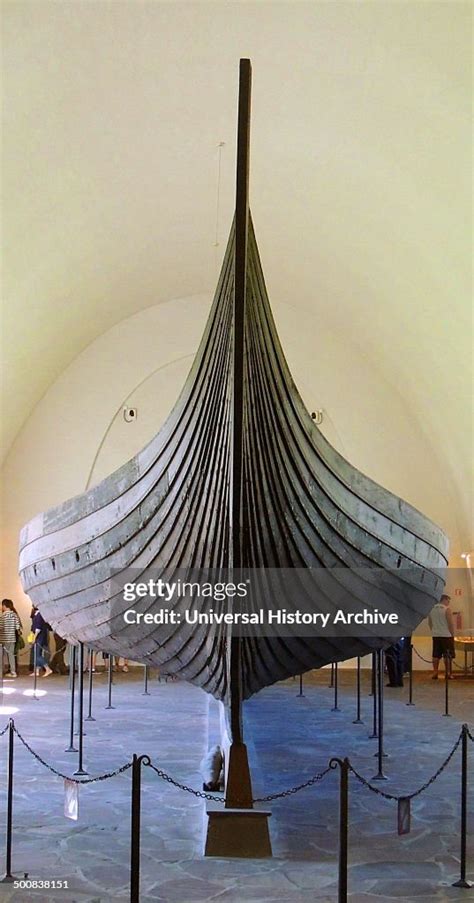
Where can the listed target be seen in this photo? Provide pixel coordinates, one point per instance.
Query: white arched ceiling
(360, 183)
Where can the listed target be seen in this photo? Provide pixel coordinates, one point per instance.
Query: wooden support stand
(241, 833)
(237, 829)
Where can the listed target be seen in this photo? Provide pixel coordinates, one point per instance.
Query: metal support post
(335, 707)
(463, 881)
(8, 878)
(410, 678)
(89, 713)
(80, 767)
(358, 719)
(344, 766)
(72, 671)
(110, 681)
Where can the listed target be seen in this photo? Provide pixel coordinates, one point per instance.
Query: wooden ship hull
(239, 476)
(169, 509)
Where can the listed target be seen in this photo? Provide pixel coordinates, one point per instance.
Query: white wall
(77, 434)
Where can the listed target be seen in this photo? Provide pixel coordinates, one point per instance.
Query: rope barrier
(410, 796)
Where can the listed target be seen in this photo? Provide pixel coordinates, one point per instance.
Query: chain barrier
(201, 794)
(66, 777)
(429, 661)
(219, 799)
(28, 647)
(285, 793)
(459, 667)
(410, 796)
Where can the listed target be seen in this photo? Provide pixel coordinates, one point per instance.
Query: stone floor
(289, 739)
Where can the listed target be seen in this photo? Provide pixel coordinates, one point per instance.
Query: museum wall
(77, 433)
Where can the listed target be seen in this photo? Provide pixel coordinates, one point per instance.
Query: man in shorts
(442, 627)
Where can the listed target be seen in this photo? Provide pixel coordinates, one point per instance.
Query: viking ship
(239, 476)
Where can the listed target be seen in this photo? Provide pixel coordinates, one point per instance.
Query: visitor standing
(41, 632)
(394, 663)
(442, 628)
(9, 625)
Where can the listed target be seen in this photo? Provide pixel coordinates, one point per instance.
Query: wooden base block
(239, 833)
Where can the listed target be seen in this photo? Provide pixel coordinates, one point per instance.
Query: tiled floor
(289, 739)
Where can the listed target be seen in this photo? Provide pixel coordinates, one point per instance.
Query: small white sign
(71, 799)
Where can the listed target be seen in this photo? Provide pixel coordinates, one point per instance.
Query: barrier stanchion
(463, 881)
(344, 766)
(145, 682)
(410, 678)
(89, 712)
(300, 694)
(80, 767)
(8, 877)
(331, 682)
(447, 672)
(72, 682)
(335, 707)
(372, 676)
(374, 733)
(380, 753)
(135, 827)
(358, 719)
(35, 668)
(110, 681)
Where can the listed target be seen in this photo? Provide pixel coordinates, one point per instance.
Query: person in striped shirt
(9, 624)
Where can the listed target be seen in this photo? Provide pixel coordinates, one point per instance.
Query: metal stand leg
(373, 673)
(80, 768)
(374, 733)
(463, 881)
(145, 682)
(109, 704)
(135, 828)
(35, 668)
(380, 753)
(89, 713)
(8, 878)
(300, 694)
(335, 707)
(358, 719)
(344, 766)
(447, 713)
(72, 671)
(410, 678)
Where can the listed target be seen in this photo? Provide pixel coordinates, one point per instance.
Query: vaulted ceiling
(118, 172)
